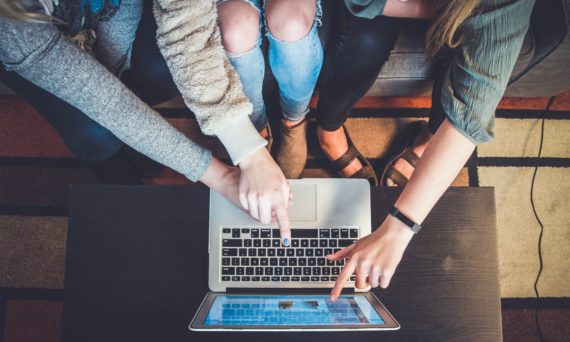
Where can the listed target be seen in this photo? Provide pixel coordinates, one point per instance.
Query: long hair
(13, 9)
(450, 14)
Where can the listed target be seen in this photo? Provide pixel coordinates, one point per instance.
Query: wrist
(398, 228)
(217, 175)
(254, 158)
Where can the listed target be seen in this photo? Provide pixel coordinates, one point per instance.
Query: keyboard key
(290, 252)
(245, 261)
(259, 271)
(245, 278)
(335, 233)
(226, 230)
(275, 278)
(245, 230)
(314, 278)
(297, 271)
(324, 233)
(344, 233)
(276, 234)
(257, 243)
(326, 271)
(288, 270)
(242, 252)
(264, 261)
(323, 243)
(321, 261)
(282, 262)
(295, 278)
(265, 278)
(262, 252)
(314, 243)
(240, 270)
(235, 261)
(278, 271)
(305, 279)
(299, 252)
(302, 261)
(228, 270)
(276, 243)
(352, 278)
(226, 278)
(316, 270)
(304, 233)
(304, 243)
(334, 278)
(252, 252)
(269, 271)
(248, 243)
(254, 261)
(235, 233)
(280, 252)
(255, 278)
(345, 242)
(229, 251)
(249, 270)
(285, 278)
(254, 233)
(330, 262)
(292, 261)
(306, 271)
(271, 252)
(312, 261)
(319, 252)
(325, 279)
(336, 271)
(226, 261)
(273, 262)
(328, 251)
(266, 233)
(309, 252)
(332, 243)
(354, 233)
(266, 243)
(235, 278)
(295, 243)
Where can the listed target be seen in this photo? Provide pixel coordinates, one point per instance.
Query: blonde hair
(450, 14)
(13, 9)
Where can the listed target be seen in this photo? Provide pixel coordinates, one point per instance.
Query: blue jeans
(296, 66)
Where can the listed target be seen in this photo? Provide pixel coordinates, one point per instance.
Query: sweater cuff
(240, 138)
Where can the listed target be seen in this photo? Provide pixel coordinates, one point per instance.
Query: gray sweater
(190, 41)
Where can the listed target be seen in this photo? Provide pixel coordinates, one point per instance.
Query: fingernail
(286, 242)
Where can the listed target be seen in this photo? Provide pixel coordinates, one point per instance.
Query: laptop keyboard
(257, 255)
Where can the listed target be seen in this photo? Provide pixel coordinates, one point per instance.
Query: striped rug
(36, 170)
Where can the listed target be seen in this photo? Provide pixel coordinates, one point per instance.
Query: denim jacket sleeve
(477, 77)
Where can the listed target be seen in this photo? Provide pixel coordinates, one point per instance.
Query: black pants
(149, 78)
(357, 49)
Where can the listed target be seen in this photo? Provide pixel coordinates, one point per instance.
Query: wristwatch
(414, 227)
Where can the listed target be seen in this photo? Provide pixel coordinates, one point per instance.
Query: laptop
(257, 284)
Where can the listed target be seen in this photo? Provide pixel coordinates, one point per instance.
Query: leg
(357, 50)
(149, 77)
(240, 26)
(86, 138)
(295, 52)
(295, 57)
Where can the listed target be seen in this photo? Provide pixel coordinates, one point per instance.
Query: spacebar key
(304, 233)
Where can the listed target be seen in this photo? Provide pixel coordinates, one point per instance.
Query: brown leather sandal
(366, 172)
(390, 172)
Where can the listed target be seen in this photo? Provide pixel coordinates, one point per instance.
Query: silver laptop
(258, 284)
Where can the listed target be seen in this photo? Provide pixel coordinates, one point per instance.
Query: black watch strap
(414, 227)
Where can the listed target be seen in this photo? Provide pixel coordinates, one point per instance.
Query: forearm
(445, 156)
(189, 38)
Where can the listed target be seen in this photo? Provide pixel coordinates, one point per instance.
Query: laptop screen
(283, 310)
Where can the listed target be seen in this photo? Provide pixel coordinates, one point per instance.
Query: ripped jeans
(295, 64)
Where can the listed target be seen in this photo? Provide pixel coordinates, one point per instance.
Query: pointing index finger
(284, 226)
(347, 271)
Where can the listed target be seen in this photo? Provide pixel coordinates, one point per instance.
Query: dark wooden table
(137, 264)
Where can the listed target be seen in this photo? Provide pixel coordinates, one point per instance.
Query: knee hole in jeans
(290, 20)
(239, 25)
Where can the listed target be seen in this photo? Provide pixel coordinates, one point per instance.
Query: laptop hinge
(284, 290)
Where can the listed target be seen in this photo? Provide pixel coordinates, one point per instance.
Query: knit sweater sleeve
(40, 54)
(189, 39)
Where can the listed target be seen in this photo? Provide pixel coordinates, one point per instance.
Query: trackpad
(304, 208)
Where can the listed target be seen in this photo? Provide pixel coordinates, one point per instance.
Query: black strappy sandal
(390, 172)
(366, 172)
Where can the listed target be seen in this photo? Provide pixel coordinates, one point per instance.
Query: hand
(224, 179)
(374, 257)
(264, 191)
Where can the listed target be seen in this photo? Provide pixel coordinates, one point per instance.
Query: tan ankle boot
(292, 153)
